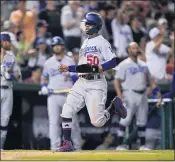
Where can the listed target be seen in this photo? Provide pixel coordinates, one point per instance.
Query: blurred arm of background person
(71, 15)
(52, 15)
(119, 76)
(40, 55)
(122, 34)
(22, 54)
(138, 35)
(157, 55)
(25, 20)
(110, 14)
(102, 12)
(117, 84)
(71, 7)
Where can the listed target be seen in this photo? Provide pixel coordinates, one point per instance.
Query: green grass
(95, 155)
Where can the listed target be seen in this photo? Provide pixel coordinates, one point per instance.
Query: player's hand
(44, 91)
(2, 54)
(7, 75)
(63, 68)
(159, 103)
(100, 69)
(2, 69)
(125, 103)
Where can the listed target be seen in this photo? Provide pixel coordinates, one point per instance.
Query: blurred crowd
(32, 24)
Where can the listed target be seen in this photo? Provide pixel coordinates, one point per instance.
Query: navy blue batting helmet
(57, 41)
(5, 37)
(95, 19)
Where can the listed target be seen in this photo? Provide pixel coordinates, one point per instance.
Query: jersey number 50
(92, 60)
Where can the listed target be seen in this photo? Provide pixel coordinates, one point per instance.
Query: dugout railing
(30, 92)
(167, 113)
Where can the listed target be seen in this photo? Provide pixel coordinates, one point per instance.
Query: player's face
(58, 49)
(134, 50)
(88, 27)
(6, 45)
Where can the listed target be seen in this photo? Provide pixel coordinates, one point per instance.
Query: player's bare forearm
(17, 77)
(117, 86)
(152, 83)
(155, 88)
(2, 54)
(171, 52)
(158, 43)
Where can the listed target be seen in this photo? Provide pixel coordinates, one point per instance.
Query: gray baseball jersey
(55, 77)
(9, 63)
(56, 81)
(92, 93)
(134, 76)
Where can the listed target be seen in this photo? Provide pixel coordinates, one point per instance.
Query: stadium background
(28, 128)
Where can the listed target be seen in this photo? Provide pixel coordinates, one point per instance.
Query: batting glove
(44, 90)
(7, 75)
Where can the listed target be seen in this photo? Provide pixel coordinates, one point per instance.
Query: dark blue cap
(5, 37)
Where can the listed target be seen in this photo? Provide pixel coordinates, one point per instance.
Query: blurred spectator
(122, 34)
(110, 14)
(40, 55)
(42, 27)
(129, 8)
(75, 55)
(35, 77)
(21, 56)
(71, 15)
(138, 35)
(170, 67)
(52, 16)
(25, 20)
(162, 25)
(107, 139)
(89, 6)
(6, 9)
(33, 6)
(10, 28)
(104, 32)
(157, 54)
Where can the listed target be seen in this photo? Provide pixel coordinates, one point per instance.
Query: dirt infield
(87, 155)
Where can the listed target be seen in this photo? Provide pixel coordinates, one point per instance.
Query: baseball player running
(90, 89)
(53, 79)
(132, 76)
(9, 71)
